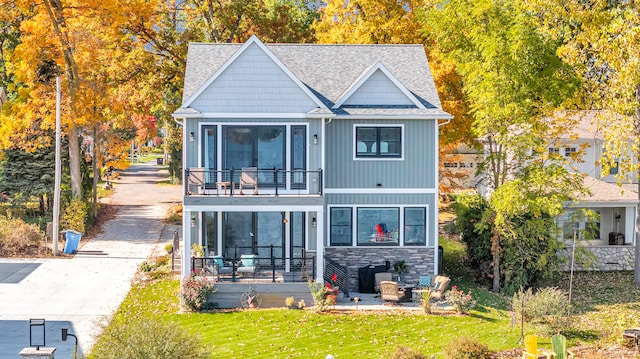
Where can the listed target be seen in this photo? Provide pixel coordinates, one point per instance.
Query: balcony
(252, 182)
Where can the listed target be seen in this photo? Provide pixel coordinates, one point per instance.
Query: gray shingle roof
(607, 192)
(327, 70)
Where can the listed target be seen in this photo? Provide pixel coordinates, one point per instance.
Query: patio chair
(559, 347)
(379, 277)
(215, 266)
(248, 264)
(195, 181)
(390, 293)
(249, 178)
(425, 281)
(531, 349)
(440, 285)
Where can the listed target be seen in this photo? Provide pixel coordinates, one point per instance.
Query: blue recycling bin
(72, 240)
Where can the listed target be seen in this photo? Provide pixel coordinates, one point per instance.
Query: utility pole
(636, 276)
(58, 175)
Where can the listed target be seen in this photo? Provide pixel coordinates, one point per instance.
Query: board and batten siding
(253, 83)
(415, 170)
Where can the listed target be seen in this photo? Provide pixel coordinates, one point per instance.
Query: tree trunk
(495, 251)
(74, 162)
(96, 171)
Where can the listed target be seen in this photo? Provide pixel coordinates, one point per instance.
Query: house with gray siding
(310, 160)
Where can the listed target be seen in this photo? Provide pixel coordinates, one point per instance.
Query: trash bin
(72, 240)
(160, 160)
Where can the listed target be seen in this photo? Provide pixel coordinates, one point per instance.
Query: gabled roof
(252, 41)
(327, 72)
(367, 75)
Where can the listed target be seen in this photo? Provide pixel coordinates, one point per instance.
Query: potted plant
(401, 268)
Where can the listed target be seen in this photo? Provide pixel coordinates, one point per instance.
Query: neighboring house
(334, 148)
(611, 236)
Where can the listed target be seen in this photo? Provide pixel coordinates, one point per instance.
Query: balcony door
(253, 233)
(255, 146)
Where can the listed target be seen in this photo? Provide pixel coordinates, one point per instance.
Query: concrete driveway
(81, 291)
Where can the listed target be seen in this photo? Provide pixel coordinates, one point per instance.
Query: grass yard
(604, 305)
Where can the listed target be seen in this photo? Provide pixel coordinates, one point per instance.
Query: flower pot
(330, 299)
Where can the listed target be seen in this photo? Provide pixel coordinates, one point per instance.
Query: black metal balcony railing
(271, 268)
(200, 181)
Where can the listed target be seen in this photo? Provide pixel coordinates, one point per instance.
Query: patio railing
(270, 268)
(201, 181)
(332, 267)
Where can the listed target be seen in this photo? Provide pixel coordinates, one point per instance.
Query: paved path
(79, 292)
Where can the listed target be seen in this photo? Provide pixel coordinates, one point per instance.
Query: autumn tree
(512, 77)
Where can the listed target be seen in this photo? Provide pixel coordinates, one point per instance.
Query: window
(378, 142)
(341, 227)
(378, 226)
(569, 150)
(415, 220)
(554, 150)
(255, 146)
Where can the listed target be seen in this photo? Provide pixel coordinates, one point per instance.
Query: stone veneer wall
(608, 258)
(419, 260)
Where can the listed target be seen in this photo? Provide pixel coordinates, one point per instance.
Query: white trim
(366, 75)
(254, 40)
(252, 115)
(383, 158)
(436, 171)
(252, 208)
(400, 207)
(377, 190)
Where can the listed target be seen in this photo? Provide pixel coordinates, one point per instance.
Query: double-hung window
(378, 141)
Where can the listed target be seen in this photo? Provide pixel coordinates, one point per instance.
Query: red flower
(334, 277)
(328, 286)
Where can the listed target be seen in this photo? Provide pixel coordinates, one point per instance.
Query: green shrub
(145, 267)
(148, 338)
(467, 348)
(18, 237)
(75, 216)
(195, 291)
(406, 353)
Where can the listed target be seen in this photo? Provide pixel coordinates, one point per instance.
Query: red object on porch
(380, 232)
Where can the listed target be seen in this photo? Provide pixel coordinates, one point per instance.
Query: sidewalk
(79, 292)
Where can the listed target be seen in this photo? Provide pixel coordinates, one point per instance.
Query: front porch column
(186, 246)
(320, 247)
(630, 224)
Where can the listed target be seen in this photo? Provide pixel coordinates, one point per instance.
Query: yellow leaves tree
(84, 42)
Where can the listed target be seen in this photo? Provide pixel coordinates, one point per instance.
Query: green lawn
(606, 303)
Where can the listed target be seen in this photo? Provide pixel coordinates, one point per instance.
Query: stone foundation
(607, 258)
(419, 260)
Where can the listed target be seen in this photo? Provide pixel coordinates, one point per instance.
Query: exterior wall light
(315, 139)
(314, 222)
(192, 136)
